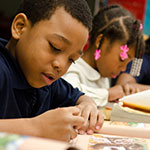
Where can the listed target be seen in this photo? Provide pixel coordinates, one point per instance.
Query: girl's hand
(115, 93)
(93, 119)
(130, 88)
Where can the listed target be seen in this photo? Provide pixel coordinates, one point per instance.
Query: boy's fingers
(93, 120)
(70, 136)
(74, 110)
(92, 123)
(96, 123)
(77, 121)
(85, 115)
(74, 134)
(100, 121)
(84, 127)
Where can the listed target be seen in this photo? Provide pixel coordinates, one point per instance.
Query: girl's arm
(130, 85)
(125, 78)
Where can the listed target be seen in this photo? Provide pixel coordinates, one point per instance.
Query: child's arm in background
(56, 124)
(93, 119)
(125, 78)
(130, 85)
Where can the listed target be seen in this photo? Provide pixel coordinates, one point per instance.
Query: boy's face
(46, 50)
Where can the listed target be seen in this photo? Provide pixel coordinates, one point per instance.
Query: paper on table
(140, 100)
(140, 130)
(111, 142)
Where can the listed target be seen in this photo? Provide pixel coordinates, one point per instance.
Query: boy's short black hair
(37, 10)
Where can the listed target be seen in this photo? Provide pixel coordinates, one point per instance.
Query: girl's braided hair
(117, 23)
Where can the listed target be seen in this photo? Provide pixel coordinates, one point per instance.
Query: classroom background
(139, 8)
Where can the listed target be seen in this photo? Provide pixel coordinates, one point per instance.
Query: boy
(47, 36)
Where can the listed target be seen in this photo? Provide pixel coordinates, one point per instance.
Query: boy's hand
(115, 93)
(58, 123)
(93, 119)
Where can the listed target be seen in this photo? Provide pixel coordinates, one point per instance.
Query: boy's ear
(98, 40)
(19, 25)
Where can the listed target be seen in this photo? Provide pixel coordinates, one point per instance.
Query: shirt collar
(88, 71)
(18, 79)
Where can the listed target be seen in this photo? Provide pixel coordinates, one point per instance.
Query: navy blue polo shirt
(19, 100)
(144, 77)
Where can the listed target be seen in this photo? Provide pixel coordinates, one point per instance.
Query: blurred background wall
(140, 8)
(147, 19)
(7, 11)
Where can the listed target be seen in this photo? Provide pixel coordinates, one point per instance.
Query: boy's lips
(48, 78)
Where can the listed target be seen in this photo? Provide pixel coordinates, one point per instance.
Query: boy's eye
(71, 60)
(54, 48)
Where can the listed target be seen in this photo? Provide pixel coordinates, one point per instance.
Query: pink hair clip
(97, 54)
(124, 54)
(141, 26)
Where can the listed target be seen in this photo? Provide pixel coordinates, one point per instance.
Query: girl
(116, 38)
(132, 84)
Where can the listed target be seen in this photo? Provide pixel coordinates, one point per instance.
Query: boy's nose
(59, 65)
